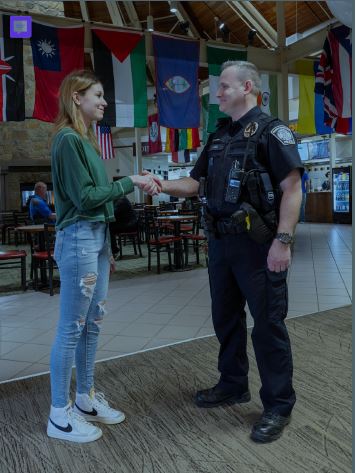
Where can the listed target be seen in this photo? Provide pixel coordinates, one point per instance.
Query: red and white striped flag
(103, 135)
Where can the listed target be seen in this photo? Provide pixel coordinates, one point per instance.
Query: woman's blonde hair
(69, 114)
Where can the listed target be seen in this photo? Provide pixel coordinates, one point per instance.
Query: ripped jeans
(82, 253)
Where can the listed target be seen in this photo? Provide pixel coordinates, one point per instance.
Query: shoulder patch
(283, 134)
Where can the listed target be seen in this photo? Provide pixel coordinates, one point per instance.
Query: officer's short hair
(246, 71)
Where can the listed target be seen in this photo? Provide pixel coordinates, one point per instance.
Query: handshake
(148, 183)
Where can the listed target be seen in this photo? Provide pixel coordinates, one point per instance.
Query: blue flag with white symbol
(177, 64)
(45, 47)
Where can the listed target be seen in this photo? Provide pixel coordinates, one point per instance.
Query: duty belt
(227, 226)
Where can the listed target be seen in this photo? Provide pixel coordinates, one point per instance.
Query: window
(319, 149)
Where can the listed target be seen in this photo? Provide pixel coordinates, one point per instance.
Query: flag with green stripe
(120, 64)
(216, 56)
(268, 98)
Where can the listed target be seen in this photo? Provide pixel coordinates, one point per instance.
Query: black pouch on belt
(255, 226)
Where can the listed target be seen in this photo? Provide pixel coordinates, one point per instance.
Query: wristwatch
(285, 238)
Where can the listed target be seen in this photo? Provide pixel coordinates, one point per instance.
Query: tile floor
(155, 310)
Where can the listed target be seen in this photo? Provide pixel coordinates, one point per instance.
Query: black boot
(217, 396)
(269, 427)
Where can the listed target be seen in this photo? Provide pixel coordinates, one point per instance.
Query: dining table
(39, 228)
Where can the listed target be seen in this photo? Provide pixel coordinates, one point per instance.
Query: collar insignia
(250, 129)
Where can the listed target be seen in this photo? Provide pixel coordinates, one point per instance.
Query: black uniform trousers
(238, 273)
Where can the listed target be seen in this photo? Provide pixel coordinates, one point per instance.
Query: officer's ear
(248, 86)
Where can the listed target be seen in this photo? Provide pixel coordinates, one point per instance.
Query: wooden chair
(15, 259)
(21, 219)
(7, 220)
(156, 243)
(134, 237)
(193, 240)
(42, 257)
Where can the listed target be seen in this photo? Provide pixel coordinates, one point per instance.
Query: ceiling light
(150, 23)
(221, 25)
(173, 7)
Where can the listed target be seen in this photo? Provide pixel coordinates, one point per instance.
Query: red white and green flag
(120, 63)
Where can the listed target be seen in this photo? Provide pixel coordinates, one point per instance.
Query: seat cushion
(41, 255)
(12, 254)
(164, 240)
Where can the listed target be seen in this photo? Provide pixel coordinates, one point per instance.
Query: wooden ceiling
(202, 16)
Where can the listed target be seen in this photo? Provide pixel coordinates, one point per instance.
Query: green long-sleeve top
(81, 188)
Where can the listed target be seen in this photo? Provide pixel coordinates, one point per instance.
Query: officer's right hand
(279, 257)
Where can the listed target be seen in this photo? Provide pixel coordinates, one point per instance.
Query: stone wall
(13, 181)
(44, 7)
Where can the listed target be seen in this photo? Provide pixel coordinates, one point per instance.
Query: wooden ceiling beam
(306, 46)
(132, 14)
(248, 16)
(182, 16)
(266, 26)
(84, 10)
(114, 13)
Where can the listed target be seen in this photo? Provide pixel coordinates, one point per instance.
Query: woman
(83, 197)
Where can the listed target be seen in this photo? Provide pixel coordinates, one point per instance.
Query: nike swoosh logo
(59, 427)
(94, 412)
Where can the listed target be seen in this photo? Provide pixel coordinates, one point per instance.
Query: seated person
(326, 184)
(125, 221)
(39, 209)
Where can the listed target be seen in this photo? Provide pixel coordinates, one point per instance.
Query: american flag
(103, 135)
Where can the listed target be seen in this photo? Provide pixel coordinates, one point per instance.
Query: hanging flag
(154, 134)
(12, 97)
(179, 156)
(104, 137)
(268, 97)
(306, 120)
(56, 52)
(319, 113)
(193, 139)
(334, 79)
(172, 140)
(177, 64)
(187, 155)
(181, 139)
(310, 112)
(205, 116)
(120, 63)
(216, 56)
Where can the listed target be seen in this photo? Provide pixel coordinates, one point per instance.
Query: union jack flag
(104, 137)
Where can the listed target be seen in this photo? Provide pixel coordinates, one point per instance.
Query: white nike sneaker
(65, 424)
(95, 408)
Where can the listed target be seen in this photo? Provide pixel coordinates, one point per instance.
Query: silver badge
(250, 129)
(283, 134)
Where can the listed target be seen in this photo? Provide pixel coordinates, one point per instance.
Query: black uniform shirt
(277, 147)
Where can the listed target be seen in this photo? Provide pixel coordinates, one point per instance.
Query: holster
(253, 223)
(208, 223)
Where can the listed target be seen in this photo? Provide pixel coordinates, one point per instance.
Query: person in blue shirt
(304, 179)
(40, 211)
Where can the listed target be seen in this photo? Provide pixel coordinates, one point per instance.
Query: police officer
(251, 162)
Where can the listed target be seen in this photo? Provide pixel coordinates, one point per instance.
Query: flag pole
(138, 164)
